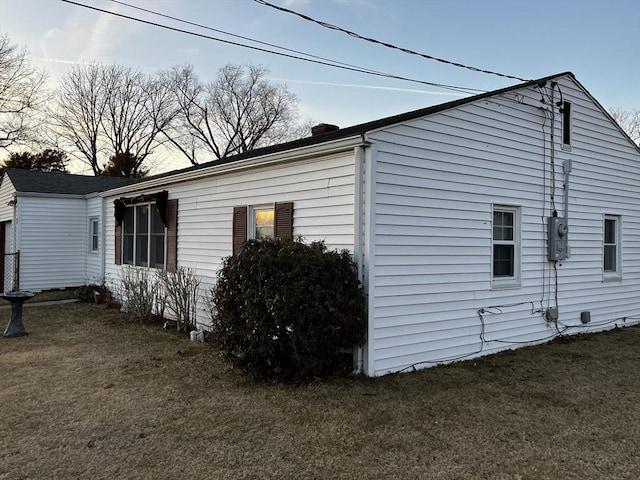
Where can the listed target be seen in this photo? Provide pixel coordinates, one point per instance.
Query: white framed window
(143, 236)
(611, 248)
(94, 235)
(262, 222)
(505, 242)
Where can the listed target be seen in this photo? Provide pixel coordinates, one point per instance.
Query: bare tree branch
(22, 95)
(237, 112)
(629, 120)
(107, 111)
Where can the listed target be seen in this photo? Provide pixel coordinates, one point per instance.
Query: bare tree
(110, 110)
(629, 120)
(237, 112)
(78, 114)
(22, 93)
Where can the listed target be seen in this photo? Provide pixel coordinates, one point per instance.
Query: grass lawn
(88, 395)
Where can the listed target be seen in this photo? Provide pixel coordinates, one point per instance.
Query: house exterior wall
(432, 186)
(7, 191)
(52, 239)
(321, 189)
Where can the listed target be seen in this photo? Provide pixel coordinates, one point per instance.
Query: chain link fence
(10, 271)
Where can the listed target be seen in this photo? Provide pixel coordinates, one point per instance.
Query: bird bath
(15, 327)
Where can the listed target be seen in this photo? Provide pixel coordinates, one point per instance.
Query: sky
(597, 40)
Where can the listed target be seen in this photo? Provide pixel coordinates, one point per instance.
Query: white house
(477, 225)
(57, 219)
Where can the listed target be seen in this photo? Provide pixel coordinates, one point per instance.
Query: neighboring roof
(31, 181)
(362, 128)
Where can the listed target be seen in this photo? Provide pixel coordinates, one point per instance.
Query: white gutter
(51, 195)
(297, 154)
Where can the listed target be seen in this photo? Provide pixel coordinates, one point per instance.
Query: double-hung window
(94, 235)
(143, 236)
(506, 247)
(611, 248)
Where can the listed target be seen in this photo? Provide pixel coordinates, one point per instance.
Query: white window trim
(617, 275)
(93, 251)
(502, 283)
(133, 264)
(251, 227)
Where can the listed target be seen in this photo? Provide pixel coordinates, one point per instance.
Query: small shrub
(285, 310)
(86, 293)
(181, 291)
(138, 292)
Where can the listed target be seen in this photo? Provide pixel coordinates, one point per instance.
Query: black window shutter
(172, 235)
(284, 220)
(239, 228)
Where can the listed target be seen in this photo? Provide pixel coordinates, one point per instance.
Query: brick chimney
(323, 128)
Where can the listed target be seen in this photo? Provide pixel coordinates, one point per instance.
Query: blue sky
(598, 40)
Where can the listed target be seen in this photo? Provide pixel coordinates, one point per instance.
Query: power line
(296, 57)
(385, 44)
(199, 25)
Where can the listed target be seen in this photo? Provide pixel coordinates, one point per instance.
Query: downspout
(566, 167)
(14, 237)
(552, 160)
(15, 275)
(358, 231)
(103, 240)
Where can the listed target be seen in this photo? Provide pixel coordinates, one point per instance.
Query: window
(566, 125)
(506, 247)
(143, 236)
(270, 221)
(94, 235)
(611, 249)
(263, 223)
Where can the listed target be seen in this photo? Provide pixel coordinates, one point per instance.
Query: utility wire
(199, 25)
(385, 44)
(296, 57)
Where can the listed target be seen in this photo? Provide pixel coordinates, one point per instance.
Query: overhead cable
(287, 55)
(199, 25)
(386, 44)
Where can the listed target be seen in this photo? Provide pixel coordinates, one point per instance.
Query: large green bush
(288, 311)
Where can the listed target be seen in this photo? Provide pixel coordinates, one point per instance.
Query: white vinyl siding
(435, 181)
(322, 191)
(52, 238)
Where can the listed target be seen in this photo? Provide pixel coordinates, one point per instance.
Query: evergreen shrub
(288, 311)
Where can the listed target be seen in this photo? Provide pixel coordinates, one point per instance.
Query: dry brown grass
(89, 395)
